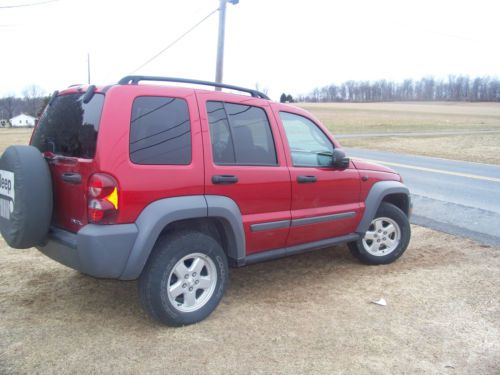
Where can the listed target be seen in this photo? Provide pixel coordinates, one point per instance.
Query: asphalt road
(452, 196)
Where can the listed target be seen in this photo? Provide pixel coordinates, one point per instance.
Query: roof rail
(134, 80)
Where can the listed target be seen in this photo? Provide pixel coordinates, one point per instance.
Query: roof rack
(134, 80)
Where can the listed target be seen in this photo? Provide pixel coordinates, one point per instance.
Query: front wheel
(386, 239)
(184, 279)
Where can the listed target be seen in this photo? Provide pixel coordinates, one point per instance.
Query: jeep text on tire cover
(171, 185)
(7, 184)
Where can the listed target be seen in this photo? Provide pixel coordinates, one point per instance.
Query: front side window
(160, 131)
(240, 135)
(309, 146)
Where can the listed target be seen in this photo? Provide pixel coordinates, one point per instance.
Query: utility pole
(220, 44)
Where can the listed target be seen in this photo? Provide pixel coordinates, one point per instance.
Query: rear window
(69, 127)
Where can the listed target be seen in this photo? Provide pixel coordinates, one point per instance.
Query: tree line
(454, 88)
(31, 103)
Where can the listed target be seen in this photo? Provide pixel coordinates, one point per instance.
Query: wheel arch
(400, 200)
(393, 192)
(216, 215)
(218, 228)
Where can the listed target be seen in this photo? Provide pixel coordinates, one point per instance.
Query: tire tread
(168, 249)
(395, 213)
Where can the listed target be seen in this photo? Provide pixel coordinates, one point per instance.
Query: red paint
(336, 191)
(369, 166)
(70, 200)
(263, 193)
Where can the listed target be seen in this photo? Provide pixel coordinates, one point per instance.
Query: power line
(176, 40)
(27, 5)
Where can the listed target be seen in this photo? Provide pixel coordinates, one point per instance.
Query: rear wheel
(184, 279)
(386, 239)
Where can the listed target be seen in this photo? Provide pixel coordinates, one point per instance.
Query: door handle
(72, 178)
(306, 179)
(224, 179)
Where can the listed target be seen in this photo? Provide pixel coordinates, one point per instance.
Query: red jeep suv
(171, 185)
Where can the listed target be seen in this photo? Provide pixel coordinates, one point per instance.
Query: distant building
(23, 120)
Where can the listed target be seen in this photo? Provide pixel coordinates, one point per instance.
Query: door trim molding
(322, 219)
(299, 222)
(270, 225)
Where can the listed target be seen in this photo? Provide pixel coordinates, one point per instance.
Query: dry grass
(9, 136)
(304, 314)
(346, 118)
(475, 148)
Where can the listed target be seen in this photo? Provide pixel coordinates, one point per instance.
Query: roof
(23, 115)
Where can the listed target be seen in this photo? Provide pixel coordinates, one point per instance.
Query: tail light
(102, 198)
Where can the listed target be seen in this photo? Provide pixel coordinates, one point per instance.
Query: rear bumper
(96, 250)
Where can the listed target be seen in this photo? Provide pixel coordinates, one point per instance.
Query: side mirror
(339, 159)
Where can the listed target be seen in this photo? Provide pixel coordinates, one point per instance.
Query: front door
(325, 200)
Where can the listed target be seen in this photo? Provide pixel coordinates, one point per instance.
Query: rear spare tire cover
(25, 197)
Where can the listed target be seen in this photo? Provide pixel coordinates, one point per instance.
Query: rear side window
(69, 127)
(160, 131)
(240, 135)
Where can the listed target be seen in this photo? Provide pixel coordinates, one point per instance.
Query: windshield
(69, 127)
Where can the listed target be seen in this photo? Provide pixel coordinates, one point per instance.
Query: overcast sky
(281, 45)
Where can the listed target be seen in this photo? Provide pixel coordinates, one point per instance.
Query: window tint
(240, 134)
(222, 144)
(160, 131)
(69, 127)
(309, 146)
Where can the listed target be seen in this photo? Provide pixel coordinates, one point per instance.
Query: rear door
(245, 161)
(67, 135)
(325, 200)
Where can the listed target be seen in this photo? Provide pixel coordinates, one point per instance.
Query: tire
(26, 214)
(164, 290)
(386, 239)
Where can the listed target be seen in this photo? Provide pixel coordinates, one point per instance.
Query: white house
(22, 120)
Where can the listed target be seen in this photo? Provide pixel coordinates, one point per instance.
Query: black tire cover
(25, 207)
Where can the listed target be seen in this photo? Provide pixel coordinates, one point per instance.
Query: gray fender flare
(157, 215)
(376, 195)
(228, 211)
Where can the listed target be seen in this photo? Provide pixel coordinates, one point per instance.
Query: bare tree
(8, 107)
(454, 88)
(33, 97)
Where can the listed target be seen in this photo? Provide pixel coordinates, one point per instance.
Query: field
(354, 118)
(348, 118)
(9, 136)
(473, 148)
(303, 314)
